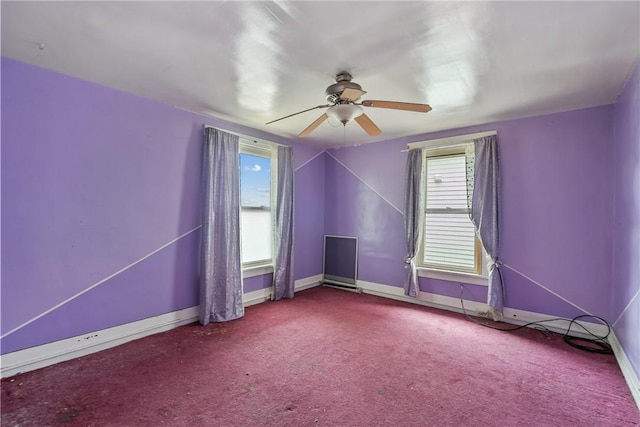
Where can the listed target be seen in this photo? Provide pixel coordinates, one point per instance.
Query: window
(450, 243)
(257, 172)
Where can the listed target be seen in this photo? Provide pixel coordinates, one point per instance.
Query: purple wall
(354, 209)
(309, 217)
(557, 178)
(625, 302)
(93, 180)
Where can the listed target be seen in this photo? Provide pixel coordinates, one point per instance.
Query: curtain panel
(220, 263)
(412, 219)
(485, 214)
(283, 283)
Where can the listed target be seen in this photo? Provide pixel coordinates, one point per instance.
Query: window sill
(472, 279)
(257, 270)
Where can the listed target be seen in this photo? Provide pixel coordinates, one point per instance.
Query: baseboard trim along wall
(262, 295)
(511, 315)
(49, 354)
(44, 355)
(630, 375)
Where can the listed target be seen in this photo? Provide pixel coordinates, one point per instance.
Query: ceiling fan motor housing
(343, 81)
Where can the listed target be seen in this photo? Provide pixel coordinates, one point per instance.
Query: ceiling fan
(343, 96)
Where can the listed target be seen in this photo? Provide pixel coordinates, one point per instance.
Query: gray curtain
(412, 216)
(283, 283)
(485, 214)
(220, 265)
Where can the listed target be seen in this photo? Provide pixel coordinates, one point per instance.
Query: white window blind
(450, 241)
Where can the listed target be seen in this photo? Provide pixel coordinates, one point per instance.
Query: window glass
(449, 240)
(255, 203)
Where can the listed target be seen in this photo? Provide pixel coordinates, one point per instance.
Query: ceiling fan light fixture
(342, 97)
(344, 113)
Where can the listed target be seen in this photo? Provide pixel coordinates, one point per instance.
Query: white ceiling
(252, 62)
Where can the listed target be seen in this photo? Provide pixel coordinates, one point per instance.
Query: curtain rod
(248, 138)
(451, 141)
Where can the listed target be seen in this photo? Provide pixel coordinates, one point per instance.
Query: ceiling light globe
(344, 113)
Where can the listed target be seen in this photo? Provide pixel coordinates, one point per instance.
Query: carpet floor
(329, 357)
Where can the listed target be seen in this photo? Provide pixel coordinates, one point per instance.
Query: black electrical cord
(597, 344)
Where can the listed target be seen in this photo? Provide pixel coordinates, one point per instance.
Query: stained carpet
(329, 358)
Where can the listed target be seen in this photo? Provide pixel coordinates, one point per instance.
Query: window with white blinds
(449, 237)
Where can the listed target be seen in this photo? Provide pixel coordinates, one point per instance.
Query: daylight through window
(450, 241)
(256, 166)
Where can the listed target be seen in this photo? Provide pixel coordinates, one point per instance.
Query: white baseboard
(521, 317)
(256, 297)
(424, 298)
(262, 295)
(308, 282)
(513, 316)
(630, 375)
(44, 355)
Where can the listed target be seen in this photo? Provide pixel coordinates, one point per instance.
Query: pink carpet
(329, 358)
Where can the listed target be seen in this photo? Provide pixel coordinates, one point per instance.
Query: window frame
(269, 151)
(479, 275)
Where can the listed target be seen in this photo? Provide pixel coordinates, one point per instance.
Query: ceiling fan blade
(313, 125)
(352, 94)
(299, 112)
(407, 106)
(367, 124)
